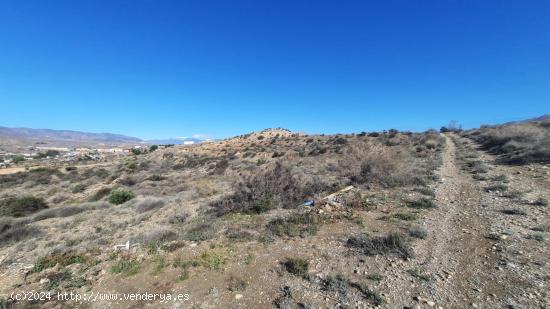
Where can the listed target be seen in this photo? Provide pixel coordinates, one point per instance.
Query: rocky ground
(472, 235)
(477, 255)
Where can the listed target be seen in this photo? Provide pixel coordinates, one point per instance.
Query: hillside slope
(26, 136)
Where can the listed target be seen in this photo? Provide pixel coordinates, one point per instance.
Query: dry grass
(301, 224)
(278, 186)
(148, 203)
(13, 230)
(516, 143)
(392, 244)
(67, 211)
(178, 199)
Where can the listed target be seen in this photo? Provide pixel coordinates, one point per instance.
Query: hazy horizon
(204, 136)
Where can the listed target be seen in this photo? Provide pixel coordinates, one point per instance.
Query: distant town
(35, 155)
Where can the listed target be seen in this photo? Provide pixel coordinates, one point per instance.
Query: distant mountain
(541, 118)
(545, 117)
(62, 138)
(176, 141)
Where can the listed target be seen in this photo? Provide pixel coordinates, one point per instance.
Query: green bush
(120, 195)
(18, 159)
(297, 266)
(262, 205)
(63, 259)
(423, 203)
(131, 164)
(21, 206)
(126, 267)
(153, 148)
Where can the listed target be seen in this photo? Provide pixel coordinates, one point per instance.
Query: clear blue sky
(156, 69)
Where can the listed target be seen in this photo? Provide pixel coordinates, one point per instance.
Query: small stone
(430, 303)
(238, 296)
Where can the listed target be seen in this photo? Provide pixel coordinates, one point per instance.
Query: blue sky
(157, 69)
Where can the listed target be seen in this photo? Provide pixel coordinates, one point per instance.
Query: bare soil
(484, 248)
(467, 265)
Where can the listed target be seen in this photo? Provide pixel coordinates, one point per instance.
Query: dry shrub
(148, 203)
(276, 186)
(392, 244)
(220, 167)
(157, 237)
(201, 230)
(178, 218)
(155, 177)
(67, 211)
(95, 172)
(61, 258)
(37, 176)
(344, 288)
(236, 284)
(126, 181)
(192, 161)
(59, 198)
(298, 224)
(16, 229)
(42, 175)
(376, 164)
(517, 143)
(238, 234)
(204, 187)
(99, 194)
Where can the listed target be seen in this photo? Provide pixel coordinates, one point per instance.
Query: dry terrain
(286, 220)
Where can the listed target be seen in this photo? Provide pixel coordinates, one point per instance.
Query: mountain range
(68, 138)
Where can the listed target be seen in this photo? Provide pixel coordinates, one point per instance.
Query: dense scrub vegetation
(21, 206)
(519, 143)
(221, 198)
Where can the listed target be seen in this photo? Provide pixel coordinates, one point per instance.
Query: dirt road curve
(474, 256)
(11, 170)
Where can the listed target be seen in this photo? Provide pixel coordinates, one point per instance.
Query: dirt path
(459, 259)
(11, 170)
(14, 170)
(458, 254)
